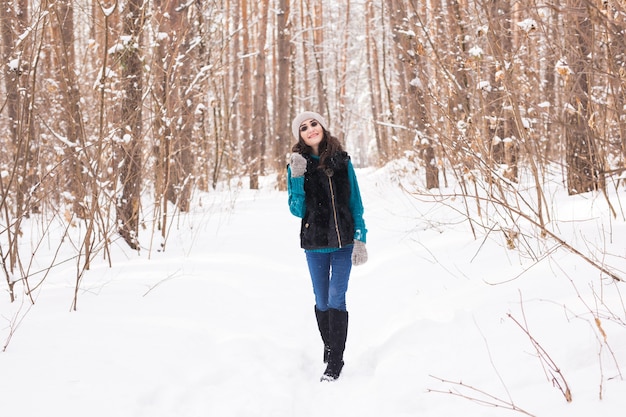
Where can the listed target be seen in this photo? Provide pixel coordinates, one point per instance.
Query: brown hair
(328, 147)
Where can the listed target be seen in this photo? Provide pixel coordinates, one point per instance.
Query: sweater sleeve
(295, 192)
(356, 206)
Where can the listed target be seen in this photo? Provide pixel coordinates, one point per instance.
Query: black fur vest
(327, 222)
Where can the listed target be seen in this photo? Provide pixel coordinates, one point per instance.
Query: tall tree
(374, 80)
(614, 35)
(131, 129)
(283, 90)
(18, 56)
(174, 97)
(8, 21)
(404, 116)
(259, 129)
(181, 99)
(62, 23)
(583, 164)
(233, 84)
(245, 92)
(342, 118)
(161, 109)
(11, 20)
(502, 143)
(454, 31)
(317, 22)
(412, 78)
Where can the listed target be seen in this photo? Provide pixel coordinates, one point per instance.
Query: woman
(323, 191)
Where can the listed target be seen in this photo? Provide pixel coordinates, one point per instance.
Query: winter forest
(104, 101)
(115, 115)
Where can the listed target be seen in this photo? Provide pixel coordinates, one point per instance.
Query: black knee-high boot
(338, 333)
(323, 324)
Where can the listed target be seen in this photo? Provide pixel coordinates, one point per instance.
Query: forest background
(114, 113)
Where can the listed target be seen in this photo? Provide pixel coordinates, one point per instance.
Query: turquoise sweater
(295, 191)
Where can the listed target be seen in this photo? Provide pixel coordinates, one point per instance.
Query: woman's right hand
(298, 165)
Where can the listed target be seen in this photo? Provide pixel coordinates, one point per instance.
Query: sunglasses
(303, 127)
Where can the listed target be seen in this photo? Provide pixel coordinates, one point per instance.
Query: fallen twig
(489, 400)
(558, 379)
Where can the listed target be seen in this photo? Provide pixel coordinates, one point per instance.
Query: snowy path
(222, 324)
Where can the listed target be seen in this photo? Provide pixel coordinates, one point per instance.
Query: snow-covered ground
(221, 323)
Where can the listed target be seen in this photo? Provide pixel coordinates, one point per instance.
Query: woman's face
(312, 133)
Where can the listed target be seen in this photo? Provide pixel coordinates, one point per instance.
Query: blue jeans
(330, 273)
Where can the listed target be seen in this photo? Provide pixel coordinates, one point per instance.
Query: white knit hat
(295, 125)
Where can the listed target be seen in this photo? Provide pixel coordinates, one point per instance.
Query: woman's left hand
(359, 253)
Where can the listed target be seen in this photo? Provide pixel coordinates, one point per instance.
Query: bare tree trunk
(374, 77)
(128, 205)
(10, 54)
(259, 129)
(502, 144)
(583, 166)
(7, 18)
(413, 79)
(245, 107)
(283, 92)
(162, 127)
(63, 43)
(616, 63)
(19, 97)
(342, 118)
(409, 67)
(458, 109)
(303, 84)
(397, 19)
(180, 105)
(318, 55)
(550, 148)
(235, 106)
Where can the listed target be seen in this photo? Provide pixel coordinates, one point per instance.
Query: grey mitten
(298, 165)
(359, 253)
